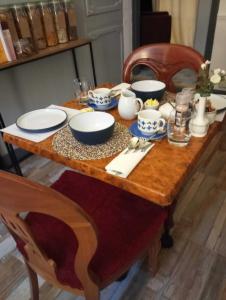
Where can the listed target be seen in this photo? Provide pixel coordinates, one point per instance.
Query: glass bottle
(35, 18)
(24, 46)
(71, 19)
(60, 22)
(49, 24)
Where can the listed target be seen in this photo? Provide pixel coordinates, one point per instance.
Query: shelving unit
(69, 46)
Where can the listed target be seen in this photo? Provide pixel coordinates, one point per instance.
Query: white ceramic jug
(129, 105)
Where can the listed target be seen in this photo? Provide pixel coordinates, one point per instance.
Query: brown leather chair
(165, 60)
(81, 234)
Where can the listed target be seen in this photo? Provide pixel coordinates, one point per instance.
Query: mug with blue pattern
(150, 121)
(100, 97)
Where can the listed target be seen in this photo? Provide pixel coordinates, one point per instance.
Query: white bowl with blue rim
(92, 128)
(42, 120)
(148, 89)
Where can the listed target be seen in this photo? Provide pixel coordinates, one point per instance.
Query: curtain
(184, 13)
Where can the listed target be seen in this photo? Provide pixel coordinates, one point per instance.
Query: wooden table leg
(167, 240)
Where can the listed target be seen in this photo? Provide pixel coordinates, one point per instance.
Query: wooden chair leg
(153, 253)
(33, 280)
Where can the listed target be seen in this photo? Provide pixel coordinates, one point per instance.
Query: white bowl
(92, 127)
(211, 116)
(146, 89)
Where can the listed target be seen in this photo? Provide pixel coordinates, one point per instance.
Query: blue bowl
(147, 89)
(92, 128)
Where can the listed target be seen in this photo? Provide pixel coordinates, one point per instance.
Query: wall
(40, 83)
(219, 46)
(203, 16)
(127, 27)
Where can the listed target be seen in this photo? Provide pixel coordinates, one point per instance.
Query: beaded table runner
(66, 145)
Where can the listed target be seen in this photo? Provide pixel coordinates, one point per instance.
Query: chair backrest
(165, 60)
(19, 195)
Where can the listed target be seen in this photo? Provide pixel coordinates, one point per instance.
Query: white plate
(218, 101)
(41, 120)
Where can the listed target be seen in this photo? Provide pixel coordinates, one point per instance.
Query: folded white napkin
(123, 164)
(69, 111)
(38, 137)
(121, 86)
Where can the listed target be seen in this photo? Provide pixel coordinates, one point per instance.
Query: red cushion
(126, 224)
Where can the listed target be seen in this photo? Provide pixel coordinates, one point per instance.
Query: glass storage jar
(60, 22)
(71, 19)
(6, 14)
(6, 40)
(24, 46)
(35, 18)
(49, 24)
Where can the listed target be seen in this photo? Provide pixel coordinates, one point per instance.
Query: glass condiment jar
(24, 46)
(6, 14)
(49, 24)
(7, 48)
(35, 18)
(71, 19)
(60, 22)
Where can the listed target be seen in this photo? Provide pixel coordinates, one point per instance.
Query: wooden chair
(165, 60)
(81, 234)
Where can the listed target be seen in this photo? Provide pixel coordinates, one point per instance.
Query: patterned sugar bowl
(150, 121)
(100, 97)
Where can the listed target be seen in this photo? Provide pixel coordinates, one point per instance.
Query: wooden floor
(194, 269)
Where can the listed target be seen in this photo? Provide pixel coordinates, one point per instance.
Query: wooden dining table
(158, 178)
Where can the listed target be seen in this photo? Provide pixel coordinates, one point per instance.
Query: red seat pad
(126, 225)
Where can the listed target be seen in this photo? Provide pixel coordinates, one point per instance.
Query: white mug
(150, 121)
(100, 96)
(129, 105)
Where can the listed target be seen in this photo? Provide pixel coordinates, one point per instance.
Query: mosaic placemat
(66, 145)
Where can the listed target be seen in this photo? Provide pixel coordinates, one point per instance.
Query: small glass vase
(199, 124)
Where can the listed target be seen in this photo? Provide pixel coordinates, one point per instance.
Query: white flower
(217, 71)
(223, 72)
(215, 78)
(203, 66)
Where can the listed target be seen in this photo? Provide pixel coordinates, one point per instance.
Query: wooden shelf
(46, 52)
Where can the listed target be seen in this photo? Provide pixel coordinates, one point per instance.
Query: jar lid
(31, 4)
(17, 6)
(4, 8)
(44, 3)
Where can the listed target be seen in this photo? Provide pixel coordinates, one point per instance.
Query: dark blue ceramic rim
(94, 137)
(111, 105)
(136, 132)
(47, 129)
(146, 95)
